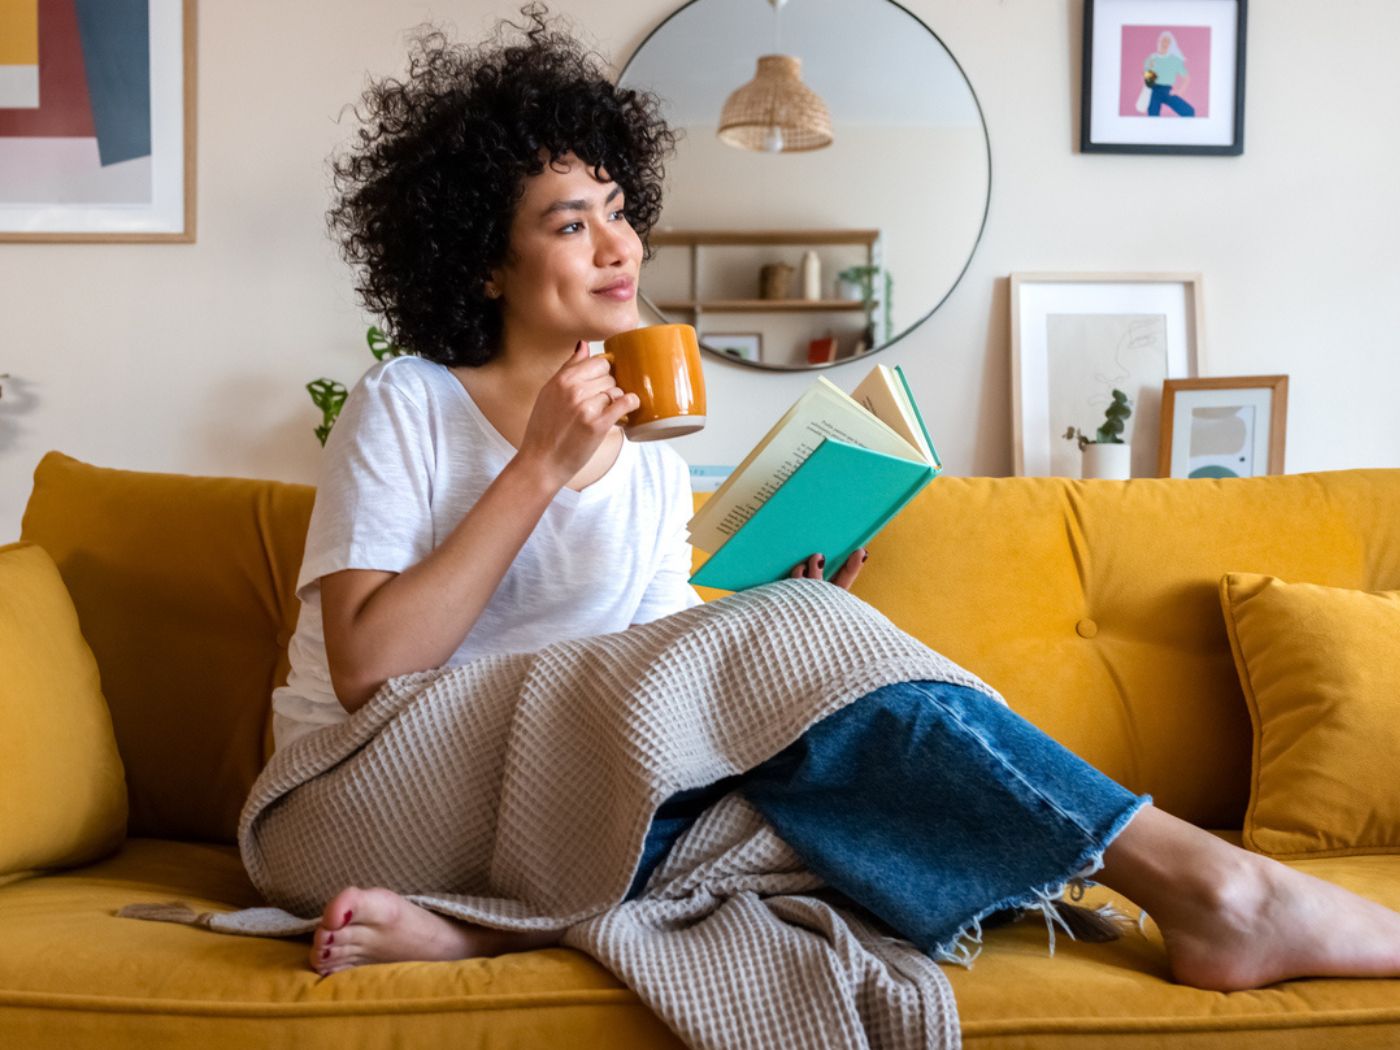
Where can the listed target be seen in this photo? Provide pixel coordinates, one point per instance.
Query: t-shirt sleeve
(373, 497)
(669, 590)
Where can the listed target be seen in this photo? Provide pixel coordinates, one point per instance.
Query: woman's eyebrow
(577, 205)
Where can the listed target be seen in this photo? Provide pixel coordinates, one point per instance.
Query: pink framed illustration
(1163, 76)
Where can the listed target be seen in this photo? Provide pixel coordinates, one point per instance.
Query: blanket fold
(516, 791)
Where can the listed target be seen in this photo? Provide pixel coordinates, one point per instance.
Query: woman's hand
(573, 413)
(845, 576)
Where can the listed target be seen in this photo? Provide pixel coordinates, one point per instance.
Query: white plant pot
(1112, 461)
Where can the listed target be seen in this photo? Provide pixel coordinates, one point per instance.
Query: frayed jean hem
(963, 947)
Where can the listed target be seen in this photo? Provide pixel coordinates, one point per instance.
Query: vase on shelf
(1107, 459)
(775, 281)
(811, 276)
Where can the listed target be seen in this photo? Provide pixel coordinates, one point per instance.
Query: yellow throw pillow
(1320, 668)
(62, 787)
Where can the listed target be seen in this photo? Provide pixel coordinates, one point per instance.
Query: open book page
(883, 394)
(823, 411)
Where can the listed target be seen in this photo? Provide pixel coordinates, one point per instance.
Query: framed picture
(1227, 427)
(747, 346)
(97, 121)
(1077, 337)
(1163, 76)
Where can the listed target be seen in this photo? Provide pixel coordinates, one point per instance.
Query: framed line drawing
(747, 346)
(1223, 427)
(97, 121)
(1163, 76)
(1075, 337)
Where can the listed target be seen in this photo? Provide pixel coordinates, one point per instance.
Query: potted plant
(858, 282)
(329, 396)
(1106, 455)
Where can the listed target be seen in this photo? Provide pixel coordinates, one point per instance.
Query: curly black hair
(425, 199)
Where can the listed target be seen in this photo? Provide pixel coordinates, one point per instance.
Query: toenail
(347, 915)
(325, 953)
(330, 938)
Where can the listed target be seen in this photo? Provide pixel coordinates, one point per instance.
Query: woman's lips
(621, 292)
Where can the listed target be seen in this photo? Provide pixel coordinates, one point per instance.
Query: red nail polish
(863, 556)
(821, 561)
(325, 953)
(347, 916)
(330, 938)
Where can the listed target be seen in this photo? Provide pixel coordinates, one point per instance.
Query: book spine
(918, 416)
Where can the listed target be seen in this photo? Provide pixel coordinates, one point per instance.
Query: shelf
(669, 236)
(755, 306)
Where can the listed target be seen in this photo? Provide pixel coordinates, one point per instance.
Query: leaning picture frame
(1163, 76)
(746, 346)
(1223, 426)
(1075, 338)
(97, 122)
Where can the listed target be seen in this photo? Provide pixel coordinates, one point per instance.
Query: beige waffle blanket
(516, 791)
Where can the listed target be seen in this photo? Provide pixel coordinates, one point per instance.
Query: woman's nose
(615, 241)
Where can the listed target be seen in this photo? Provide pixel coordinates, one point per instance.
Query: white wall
(193, 358)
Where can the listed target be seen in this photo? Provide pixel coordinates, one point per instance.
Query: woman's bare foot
(362, 926)
(1232, 919)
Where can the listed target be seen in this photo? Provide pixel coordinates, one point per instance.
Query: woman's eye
(566, 229)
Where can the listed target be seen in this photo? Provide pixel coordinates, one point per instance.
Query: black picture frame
(1086, 129)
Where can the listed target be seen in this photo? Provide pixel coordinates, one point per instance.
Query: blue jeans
(1162, 94)
(931, 806)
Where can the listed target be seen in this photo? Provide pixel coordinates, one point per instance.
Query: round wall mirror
(831, 177)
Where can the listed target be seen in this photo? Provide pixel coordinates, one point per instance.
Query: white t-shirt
(409, 455)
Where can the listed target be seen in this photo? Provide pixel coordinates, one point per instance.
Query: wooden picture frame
(99, 141)
(1120, 112)
(1223, 431)
(1045, 310)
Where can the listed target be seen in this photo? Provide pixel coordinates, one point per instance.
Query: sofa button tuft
(1086, 628)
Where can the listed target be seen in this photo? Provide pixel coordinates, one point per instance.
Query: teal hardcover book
(833, 503)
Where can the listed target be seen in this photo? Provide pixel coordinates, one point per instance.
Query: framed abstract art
(97, 120)
(1163, 76)
(1223, 427)
(1077, 337)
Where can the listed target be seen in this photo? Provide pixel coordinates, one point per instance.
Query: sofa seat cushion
(72, 974)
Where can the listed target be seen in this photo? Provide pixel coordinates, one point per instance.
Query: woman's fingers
(846, 575)
(811, 569)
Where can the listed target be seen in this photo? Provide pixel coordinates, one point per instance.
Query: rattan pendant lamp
(775, 112)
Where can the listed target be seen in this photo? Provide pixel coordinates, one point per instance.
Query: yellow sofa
(1092, 606)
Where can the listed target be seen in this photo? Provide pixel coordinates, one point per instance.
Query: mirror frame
(972, 252)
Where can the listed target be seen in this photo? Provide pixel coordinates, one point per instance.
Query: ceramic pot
(1107, 460)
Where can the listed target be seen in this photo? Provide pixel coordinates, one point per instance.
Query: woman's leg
(1180, 105)
(933, 806)
(1232, 919)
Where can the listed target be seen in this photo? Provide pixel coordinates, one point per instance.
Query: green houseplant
(329, 396)
(1106, 455)
(864, 277)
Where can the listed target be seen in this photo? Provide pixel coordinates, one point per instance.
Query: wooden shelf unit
(696, 239)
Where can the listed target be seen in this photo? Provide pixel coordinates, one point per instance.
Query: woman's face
(569, 239)
(1164, 44)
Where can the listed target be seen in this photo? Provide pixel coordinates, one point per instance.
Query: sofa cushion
(62, 790)
(73, 974)
(1320, 667)
(1093, 606)
(183, 587)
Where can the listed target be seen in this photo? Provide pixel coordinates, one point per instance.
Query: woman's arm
(379, 625)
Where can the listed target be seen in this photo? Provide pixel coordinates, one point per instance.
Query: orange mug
(659, 363)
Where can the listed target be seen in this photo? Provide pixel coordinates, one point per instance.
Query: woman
(479, 497)
(1165, 69)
